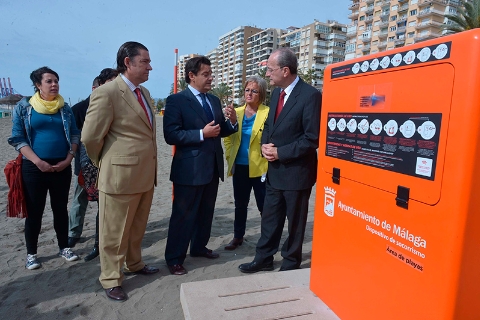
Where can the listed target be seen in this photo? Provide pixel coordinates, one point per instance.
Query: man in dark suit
(194, 123)
(289, 143)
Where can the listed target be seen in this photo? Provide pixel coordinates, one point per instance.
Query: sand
(71, 290)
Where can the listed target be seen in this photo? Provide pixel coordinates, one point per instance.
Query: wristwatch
(72, 153)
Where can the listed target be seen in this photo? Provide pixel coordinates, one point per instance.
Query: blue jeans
(36, 185)
(242, 187)
(77, 211)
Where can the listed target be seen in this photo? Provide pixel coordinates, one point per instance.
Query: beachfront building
(232, 58)
(379, 25)
(259, 47)
(316, 46)
(182, 60)
(212, 56)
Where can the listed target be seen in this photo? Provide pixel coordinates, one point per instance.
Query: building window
(413, 1)
(411, 34)
(412, 23)
(362, 18)
(393, 28)
(391, 39)
(394, 8)
(413, 12)
(393, 18)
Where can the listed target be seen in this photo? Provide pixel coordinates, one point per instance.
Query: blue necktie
(206, 107)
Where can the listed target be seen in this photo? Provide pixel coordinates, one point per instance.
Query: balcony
(369, 1)
(400, 30)
(366, 48)
(427, 36)
(401, 20)
(368, 19)
(428, 12)
(353, 15)
(382, 35)
(402, 1)
(399, 42)
(366, 39)
(403, 8)
(354, 6)
(369, 10)
(428, 3)
(384, 24)
(382, 45)
(385, 3)
(428, 24)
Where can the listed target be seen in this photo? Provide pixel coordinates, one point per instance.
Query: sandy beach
(71, 290)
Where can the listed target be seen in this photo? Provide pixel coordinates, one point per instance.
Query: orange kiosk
(397, 214)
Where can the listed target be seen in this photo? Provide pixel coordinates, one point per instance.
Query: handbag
(16, 204)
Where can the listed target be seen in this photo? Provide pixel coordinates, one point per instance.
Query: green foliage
(262, 73)
(466, 18)
(222, 92)
(160, 104)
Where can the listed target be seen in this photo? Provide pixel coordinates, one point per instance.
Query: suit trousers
(281, 204)
(242, 187)
(123, 220)
(191, 220)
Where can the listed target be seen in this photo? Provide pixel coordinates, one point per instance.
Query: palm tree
(309, 76)
(262, 73)
(222, 92)
(466, 18)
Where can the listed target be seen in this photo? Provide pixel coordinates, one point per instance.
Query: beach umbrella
(11, 99)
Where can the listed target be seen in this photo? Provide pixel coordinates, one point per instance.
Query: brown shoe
(177, 270)
(236, 242)
(116, 293)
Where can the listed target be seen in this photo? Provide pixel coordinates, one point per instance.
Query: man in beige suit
(119, 136)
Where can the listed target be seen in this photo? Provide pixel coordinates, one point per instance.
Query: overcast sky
(77, 39)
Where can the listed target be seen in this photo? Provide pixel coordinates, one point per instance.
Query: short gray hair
(262, 86)
(287, 58)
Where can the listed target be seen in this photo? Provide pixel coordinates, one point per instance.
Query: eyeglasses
(270, 70)
(253, 91)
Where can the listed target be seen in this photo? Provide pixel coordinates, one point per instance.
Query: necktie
(280, 104)
(140, 100)
(206, 108)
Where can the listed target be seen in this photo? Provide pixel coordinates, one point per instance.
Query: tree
(222, 92)
(262, 73)
(181, 85)
(309, 76)
(160, 104)
(466, 18)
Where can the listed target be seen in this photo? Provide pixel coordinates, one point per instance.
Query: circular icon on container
(424, 54)
(391, 128)
(374, 64)
(427, 130)
(396, 60)
(441, 51)
(342, 124)
(352, 125)
(363, 126)
(332, 124)
(376, 127)
(408, 129)
(356, 68)
(365, 66)
(385, 62)
(409, 57)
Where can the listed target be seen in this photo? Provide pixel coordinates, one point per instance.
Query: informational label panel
(410, 57)
(401, 142)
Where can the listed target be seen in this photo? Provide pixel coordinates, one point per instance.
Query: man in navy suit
(289, 143)
(194, 123)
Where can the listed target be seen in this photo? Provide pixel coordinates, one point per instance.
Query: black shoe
(93, 254)
(255, 266)
(72, 242)
(288, 269)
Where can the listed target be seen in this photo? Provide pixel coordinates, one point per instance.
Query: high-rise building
(379, 25)
(212, 56)
(316, 45)
(182, 60)
(260, 46)
(232, 58)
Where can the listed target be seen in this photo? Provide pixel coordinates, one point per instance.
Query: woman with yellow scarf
(44, 131)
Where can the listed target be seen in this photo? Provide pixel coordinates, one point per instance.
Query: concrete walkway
(265, 296)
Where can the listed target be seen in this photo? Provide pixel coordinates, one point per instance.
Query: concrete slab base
(266, 296)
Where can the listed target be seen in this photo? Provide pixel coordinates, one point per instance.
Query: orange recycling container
(397, 213)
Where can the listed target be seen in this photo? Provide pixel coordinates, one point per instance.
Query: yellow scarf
(44, 106)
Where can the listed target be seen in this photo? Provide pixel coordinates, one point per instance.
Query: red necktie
(140, 100)
(280, 104)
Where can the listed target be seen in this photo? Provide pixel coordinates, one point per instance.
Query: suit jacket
(119, 139)
(257, 165)
(79, 112)
(194, 160)
(295, 134)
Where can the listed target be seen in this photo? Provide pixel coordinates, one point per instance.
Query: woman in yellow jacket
(244, 155)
